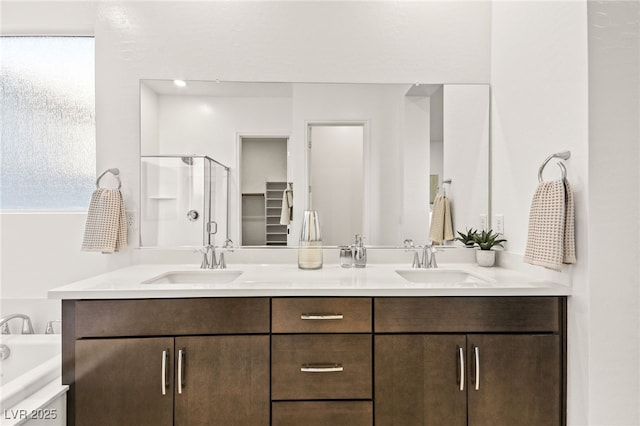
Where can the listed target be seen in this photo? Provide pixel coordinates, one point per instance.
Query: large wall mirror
(368, 157)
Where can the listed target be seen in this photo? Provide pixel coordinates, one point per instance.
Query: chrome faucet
(408, 245)
(227, 246)
(208, 257)
(429, 256)
(27, 328)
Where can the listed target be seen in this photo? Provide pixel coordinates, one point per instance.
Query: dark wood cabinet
(518, 382)
(119, 382)
(418, 379)
(322, 361)
(325, 361)
(323, 413)
(222, 379)
(478, 380)
(511, 377)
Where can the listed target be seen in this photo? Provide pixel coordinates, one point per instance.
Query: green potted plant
(467, 239)
(486, 240)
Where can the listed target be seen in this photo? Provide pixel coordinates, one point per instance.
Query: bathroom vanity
(349, 347)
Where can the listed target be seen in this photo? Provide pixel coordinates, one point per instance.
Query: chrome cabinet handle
(321, 368)
(321, 316)
(164, 380)
(476, 352)
(181, 362)
(461, 367)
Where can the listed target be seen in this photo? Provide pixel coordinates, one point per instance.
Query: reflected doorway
(336, 179)
(263, 180)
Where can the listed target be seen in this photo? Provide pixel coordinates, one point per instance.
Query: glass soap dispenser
(359, 253)
(310, 249)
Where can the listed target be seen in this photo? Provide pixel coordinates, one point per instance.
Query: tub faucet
(27, 328)
(49, 326)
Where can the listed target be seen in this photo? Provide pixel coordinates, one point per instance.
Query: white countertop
(288, 280)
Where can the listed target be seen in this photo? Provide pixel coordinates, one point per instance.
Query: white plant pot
(485, 257)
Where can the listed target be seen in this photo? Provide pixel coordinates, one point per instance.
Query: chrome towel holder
(564, 155)
(115, 172)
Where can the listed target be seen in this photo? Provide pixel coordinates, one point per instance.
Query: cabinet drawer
(321, 315)
(468, 314)
(320, 366)
(175, 317)
(323, 413)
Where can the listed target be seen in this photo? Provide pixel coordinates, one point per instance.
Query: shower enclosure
(184, 201)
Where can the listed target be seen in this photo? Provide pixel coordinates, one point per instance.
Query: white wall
(614, 212)
(149, 125)
(336, 169)
(539, 106)
(416, 169)
(466, 152)
(262, 160)
(41, 251)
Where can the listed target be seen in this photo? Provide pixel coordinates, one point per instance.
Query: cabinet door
(222, 380)
(418, 380)
(514, 380)
(120, 382)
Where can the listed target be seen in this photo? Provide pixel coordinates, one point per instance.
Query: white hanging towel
(287, 206)
(551, 236)
(441, 224)
(106, 227)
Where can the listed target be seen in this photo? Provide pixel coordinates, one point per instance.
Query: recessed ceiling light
(180, 83)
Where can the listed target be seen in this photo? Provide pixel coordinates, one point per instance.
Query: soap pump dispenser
(359, 253)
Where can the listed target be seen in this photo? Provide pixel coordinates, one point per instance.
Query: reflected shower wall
(184, 201)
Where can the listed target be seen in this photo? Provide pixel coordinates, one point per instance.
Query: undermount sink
(441, 276)
(205, 276)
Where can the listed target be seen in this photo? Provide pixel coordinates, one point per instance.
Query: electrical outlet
(483, 222)
(132, 219)
(499, 224)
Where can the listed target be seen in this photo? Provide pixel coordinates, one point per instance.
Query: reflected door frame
(366, 165)
(238, 175)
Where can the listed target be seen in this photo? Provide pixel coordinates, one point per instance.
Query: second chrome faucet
(209, 259)
(428, 259)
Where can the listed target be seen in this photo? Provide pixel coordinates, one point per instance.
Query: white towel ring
(114, 172)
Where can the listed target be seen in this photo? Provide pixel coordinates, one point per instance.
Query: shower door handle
(212, 227)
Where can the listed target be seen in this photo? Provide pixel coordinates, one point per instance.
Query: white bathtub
(31, 392)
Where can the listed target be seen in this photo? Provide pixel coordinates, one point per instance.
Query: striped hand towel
(106, 227)
(441, 225)
(551, 237)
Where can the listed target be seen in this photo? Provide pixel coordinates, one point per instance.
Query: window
(47, 123)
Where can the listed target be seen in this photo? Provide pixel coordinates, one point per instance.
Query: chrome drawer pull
(181, 356)
(461, 372)
(164, 371)
(321, 316)
(321, 368)
(476, 350)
